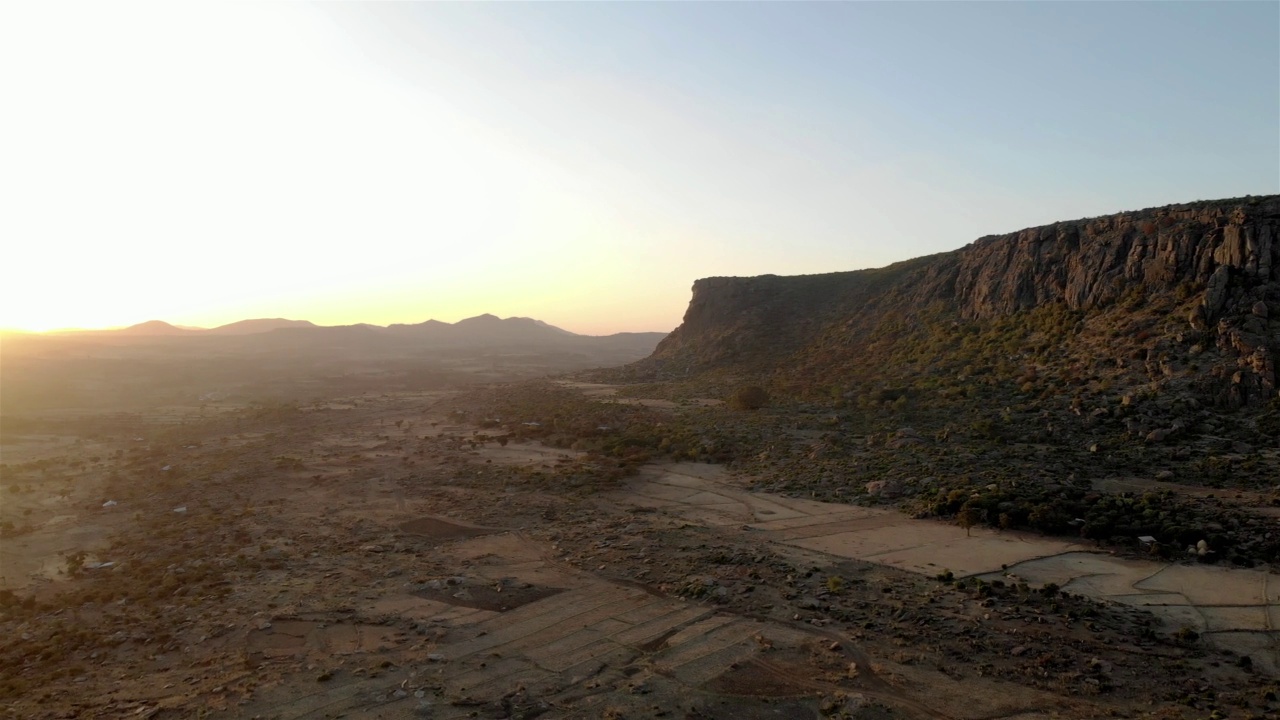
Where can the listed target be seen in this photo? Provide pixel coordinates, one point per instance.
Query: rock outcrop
(1087, 263)
(1226, 253)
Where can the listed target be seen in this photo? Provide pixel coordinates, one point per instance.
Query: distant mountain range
(156, 328)
(484, 325)
(270, 359)
(278, 333)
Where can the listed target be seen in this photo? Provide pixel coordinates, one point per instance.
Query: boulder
(1215, 293)
(884, 488)
(1197, 318)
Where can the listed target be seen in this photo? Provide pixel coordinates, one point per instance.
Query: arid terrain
(981, 485)
(403, 555)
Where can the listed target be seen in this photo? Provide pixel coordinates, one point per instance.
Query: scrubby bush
(749, 397)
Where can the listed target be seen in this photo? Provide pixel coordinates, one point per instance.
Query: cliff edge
(1211, 267)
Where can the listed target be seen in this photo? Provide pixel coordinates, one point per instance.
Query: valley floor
(381, 557)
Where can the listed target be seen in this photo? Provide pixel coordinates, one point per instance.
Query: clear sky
(583, 163)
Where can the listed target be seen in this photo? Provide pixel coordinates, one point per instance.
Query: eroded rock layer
(1217, 262)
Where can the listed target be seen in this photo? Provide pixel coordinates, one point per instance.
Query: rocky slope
(1106, 378)
(1216, 264)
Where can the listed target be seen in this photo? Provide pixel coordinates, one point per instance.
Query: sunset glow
(398, 162)
(724, 360)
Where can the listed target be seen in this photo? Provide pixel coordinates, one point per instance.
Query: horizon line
(311, 324)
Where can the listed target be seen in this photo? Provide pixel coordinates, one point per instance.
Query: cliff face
(1221, 259)
(1087, 263)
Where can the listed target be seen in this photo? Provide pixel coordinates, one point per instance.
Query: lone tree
(749, 397)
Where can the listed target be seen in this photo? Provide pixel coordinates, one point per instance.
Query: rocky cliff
(1215, 263)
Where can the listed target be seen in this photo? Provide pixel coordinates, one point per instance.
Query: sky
(583, 163)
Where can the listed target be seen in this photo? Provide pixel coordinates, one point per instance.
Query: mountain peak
(259, 325)
(485, 318)
(153, 327)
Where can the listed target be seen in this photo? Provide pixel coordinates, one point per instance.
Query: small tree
(968, 516)
(749, 397)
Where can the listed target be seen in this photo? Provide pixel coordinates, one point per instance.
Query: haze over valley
(272, 360)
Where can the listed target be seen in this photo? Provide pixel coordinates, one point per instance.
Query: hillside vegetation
(1110, 378)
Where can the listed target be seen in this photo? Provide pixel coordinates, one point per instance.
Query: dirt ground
(1237, 609)
(377, 556)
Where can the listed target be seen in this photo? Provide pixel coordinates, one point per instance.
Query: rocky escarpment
(1231, 247)
(1216, 262)
(752, 322)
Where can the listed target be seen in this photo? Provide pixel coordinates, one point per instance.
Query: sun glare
(210, 184)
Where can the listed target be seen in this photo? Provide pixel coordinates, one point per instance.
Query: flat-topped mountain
(1112, 379)
(1190, 290)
